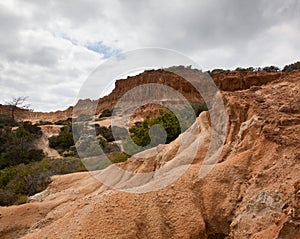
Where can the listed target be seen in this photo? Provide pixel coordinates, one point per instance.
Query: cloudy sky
(49, 48)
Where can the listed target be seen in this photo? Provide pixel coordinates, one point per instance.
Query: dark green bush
(62, 141)
(140, 130)
(242, 69)
(5, 120)
(118, 157)
(105, 113)
(199, 107)
(105, 132)
(89, 146)
(41, 122)
(67, 122)
(111, 147)
(292, 67)
(214, 71)
(18, 146)
(92, 150)
(271, 69)
(33, 129)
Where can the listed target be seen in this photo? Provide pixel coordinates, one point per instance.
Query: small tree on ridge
(18, 102)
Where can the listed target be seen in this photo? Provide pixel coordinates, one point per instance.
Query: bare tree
(15, 103)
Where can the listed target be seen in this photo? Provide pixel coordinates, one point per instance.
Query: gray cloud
(48, 48)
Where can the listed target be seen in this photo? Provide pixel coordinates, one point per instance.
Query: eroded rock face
(225, 81)
(34, 117)
(252, 192)
(239, 80)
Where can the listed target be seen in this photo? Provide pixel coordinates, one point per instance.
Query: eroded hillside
(225, 80)
(252, 192)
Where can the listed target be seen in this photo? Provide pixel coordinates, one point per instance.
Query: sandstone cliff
(34, 117)
(252, 192)
(225, 80)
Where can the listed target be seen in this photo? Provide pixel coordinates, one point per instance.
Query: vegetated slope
(252, 192)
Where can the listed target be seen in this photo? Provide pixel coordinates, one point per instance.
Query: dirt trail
(43, 143)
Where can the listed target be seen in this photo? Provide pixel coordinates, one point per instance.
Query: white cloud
(48, 48)
(42, 63)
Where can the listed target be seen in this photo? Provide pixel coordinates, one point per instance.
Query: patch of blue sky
(101, 48)
(72, 40)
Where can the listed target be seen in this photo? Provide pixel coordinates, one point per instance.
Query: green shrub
(62, 141)
(18, 147)
(199, 107)
(21, 199)
(93, 150)
(33, 129)
(5, 120)
(292, 67)
(242, 69)
(7, 197)
(105, 113)
(140, 130)
(19, 182)
(105, 132)
(271, 69)
(218, 70)
(67, 122)
(89, 147)
(41, 122)
(111, 147)
(118, 157)
(70, 153)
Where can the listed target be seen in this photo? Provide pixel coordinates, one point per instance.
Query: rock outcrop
(252, 192)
